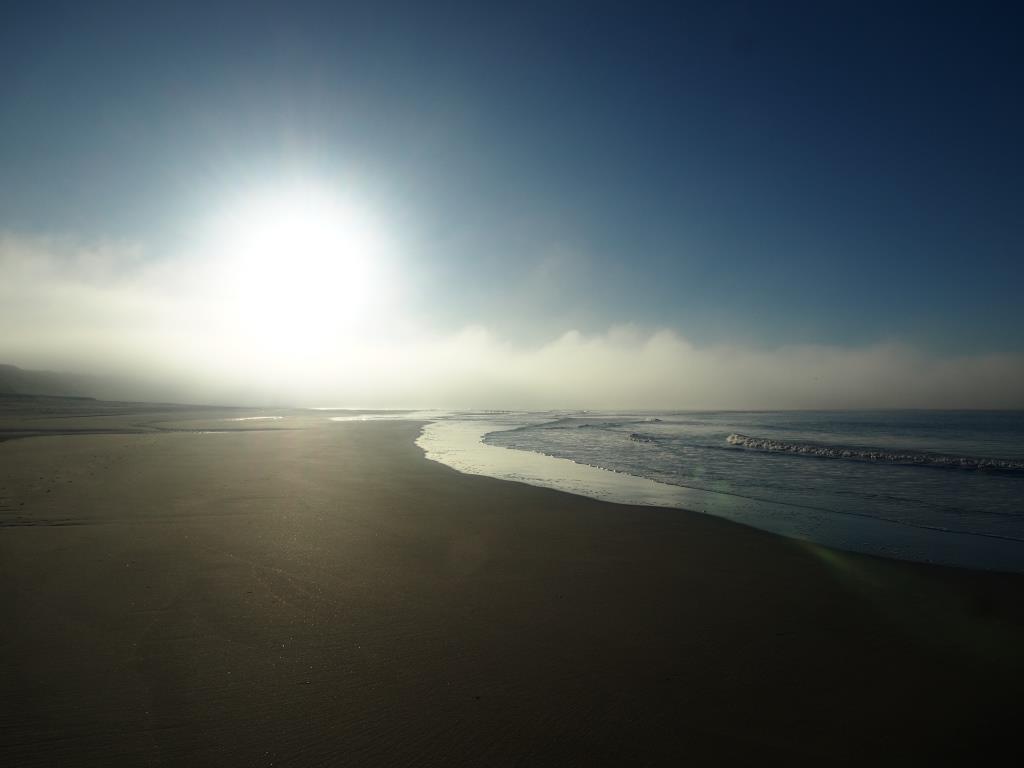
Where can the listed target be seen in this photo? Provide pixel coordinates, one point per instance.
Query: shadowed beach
(327, 596)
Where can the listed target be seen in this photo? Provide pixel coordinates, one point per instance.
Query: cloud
(112, 309)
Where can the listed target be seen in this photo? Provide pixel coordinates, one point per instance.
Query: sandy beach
(325, 595)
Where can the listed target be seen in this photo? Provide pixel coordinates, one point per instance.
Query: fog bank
(168, 328)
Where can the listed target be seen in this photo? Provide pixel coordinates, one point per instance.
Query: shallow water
(922, 485)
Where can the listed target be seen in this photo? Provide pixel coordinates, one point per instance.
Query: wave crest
(883, 457)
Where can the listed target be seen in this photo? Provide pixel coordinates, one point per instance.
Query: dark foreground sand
(326, 596)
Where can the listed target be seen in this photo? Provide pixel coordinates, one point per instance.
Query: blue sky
(740, 173)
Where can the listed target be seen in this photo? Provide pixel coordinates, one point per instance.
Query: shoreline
(329, 595)
(461, 445)
(848, 532)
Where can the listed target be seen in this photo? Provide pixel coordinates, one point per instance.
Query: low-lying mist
(165, 329)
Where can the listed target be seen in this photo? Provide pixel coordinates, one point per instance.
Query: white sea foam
(887, 457)
(685, 461)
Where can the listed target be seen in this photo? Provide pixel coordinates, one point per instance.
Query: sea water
(937, 486)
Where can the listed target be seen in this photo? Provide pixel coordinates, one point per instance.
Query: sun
(300, 268)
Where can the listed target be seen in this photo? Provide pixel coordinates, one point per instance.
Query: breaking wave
(881, 457)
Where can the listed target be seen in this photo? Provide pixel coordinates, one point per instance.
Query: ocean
(933, 486)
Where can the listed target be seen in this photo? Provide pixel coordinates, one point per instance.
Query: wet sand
(326, 596)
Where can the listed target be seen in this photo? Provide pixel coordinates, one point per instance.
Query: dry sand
(326, 596)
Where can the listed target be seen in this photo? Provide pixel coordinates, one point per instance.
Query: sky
(702, 205)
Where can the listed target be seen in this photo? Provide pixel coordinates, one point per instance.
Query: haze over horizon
(522, 207)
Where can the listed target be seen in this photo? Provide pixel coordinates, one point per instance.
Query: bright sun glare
(301, 268)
